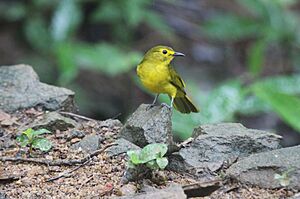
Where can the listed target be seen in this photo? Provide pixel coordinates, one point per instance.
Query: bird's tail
(184, 105)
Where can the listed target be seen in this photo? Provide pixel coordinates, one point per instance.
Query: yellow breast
(156, 78)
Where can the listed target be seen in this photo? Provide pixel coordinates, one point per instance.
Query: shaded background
(241, 64)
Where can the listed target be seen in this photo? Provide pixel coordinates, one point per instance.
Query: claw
(153, 103)
(166, 105)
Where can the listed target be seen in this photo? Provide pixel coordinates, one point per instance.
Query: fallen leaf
(8, 122)
(32, 111)
(74, 140)
(4, 116)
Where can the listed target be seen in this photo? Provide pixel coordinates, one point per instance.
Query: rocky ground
(88, 157)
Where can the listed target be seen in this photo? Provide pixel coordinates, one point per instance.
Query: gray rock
(53, 121)
(296, 196)
(3, 196)
(216, 145)
(122, 147)
(75, 134)
(149, 126)
(201, 189)
(260, 169)
(128, 190)
(139, 172)
(173, 191)
(20, 88)
(111, 123)
(89, 143)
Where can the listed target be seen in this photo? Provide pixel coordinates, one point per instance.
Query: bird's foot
(166, 105)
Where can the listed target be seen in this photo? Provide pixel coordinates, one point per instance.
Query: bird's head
(161, 54)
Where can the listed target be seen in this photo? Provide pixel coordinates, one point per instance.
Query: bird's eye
(164, 51)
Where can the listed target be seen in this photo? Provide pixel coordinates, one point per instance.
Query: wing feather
(176, 80)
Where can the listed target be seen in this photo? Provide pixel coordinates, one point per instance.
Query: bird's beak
(178, 54)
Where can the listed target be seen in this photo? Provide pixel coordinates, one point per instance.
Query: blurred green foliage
(269, 22)
(53, 28)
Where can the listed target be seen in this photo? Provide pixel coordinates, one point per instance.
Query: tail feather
(184, 105)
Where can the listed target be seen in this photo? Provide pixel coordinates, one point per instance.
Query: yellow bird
(157, 75)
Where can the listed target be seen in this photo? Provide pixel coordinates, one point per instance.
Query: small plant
(284, 178)
(151, 155)
(33, 139)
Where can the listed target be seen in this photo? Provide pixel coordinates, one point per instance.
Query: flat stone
(139, 172)
(3, 196)
(75, 134)
(173, 191)
(122, 146)
(147, 126)
(53, 121)
(260, 169)
(111, 123)
(128, 190)
(20, 88)
(216, 145)
(201, 189)
(89, 143)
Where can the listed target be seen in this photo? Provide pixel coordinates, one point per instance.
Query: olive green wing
(176, 80)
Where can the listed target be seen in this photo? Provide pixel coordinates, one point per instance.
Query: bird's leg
(153, 103)
(169, 106)
(172, 101)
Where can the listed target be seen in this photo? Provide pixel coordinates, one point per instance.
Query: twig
(86, 181)
(76, 115)
(56, 162)
(67, 173)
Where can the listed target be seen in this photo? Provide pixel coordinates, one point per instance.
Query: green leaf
(130, 165)
(42, 144)
(134, 156)
(29, 134)
(66, 19)
(153, 151)
(162, 162)
(286, 106)
(152, 165)
(40, 132)
(23, 140)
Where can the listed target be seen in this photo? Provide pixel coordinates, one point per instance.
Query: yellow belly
(157, 79)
